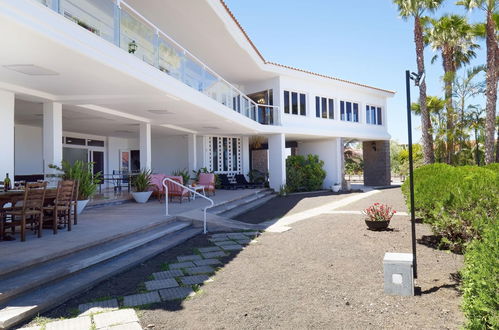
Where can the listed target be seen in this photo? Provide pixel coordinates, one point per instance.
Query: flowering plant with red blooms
(379, 212)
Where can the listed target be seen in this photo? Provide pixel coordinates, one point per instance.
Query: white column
(145, 146)
(245, 154)
(192, 152)
(52, 136)
(7, 134)
(277, 161)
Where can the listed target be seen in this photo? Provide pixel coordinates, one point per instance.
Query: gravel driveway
(325, 273)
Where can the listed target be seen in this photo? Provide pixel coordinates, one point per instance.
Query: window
(349, 111)
(224, 154)
(295, 103)
(324, 107)
(373, 115)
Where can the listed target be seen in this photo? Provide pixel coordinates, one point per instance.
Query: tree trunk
(447, 59)
(491, 91)
(426, 127)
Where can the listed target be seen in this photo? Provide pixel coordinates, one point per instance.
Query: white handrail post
(166, 199)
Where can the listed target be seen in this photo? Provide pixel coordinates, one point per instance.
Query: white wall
(200, 149)
(28, 152)
(329, 152)
(114, 145)
(169, 154)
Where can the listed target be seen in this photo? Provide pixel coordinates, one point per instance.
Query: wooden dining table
(13, 196)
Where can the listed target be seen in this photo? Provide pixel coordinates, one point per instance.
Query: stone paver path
(179, 281)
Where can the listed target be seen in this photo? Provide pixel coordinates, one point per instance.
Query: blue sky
(360, 40)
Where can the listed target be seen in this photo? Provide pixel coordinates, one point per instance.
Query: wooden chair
(59, 212)
(31, 211)
(177, 191)
(74, 202)
(208, 181)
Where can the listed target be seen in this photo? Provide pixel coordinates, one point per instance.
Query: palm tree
(454, 38)
(490, 7)
(417, 9)
(476, 123)
(466, 87)
(435, 106)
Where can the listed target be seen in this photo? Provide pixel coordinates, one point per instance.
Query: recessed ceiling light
(161, 112)
(31, 70)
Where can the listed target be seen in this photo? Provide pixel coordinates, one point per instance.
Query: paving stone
(218, 239)
(223, 243)
(218, 235)
(209, 255)
(98, 306)
(176, 293)
(180, 265)
(207, 262)
(209, 249)
(78, 323)
(251, 233)
(122, 316)
(141, 299)
(167, 274)
(236, 236)
(189, 258)
(128, 326)
(199, 270)
(161, 284)
(195, 279)
(232, 247)
(243, 241)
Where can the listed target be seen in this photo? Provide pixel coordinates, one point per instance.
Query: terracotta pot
(377, 225)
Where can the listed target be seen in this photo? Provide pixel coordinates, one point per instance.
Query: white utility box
(399, 279)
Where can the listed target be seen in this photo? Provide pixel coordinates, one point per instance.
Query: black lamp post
(418, 78)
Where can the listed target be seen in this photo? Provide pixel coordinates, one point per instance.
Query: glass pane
(379, 117)
(44, 2)
(356, 112)
(234, 154)
(193, 74)
(368, 115)
(215, 154)
(324, 107)
(225, 154)
(342, 110)
(317, 107)
(76, 141)
(303, 105)
(211, 85)
(331, 109)
(97, 16)
(286, 102)
(95, 143)
(71, 155)
(136, 37)
(294, 103)
(170, 58)
(349, 111)
(373, 115)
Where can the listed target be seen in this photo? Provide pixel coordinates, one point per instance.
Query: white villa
(168, 85)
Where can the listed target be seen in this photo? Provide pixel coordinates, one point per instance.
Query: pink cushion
(157, 181)
(206, 179)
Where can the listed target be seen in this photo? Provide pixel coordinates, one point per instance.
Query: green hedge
(304, 173)
(462, 206)
(458, 202)
(481, 281)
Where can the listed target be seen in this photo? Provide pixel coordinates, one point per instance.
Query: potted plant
(141, 184)
(378, 216)
(184, 174)
(336, 187)
(82, 172)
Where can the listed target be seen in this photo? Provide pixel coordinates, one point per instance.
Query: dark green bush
(304, 173)
(481, 281)
(458, 202)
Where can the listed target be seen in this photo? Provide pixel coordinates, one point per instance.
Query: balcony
(120, 24)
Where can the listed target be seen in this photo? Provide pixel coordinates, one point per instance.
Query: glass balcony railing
(118, 23)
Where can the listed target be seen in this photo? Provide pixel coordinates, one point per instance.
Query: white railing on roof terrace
(118, 23)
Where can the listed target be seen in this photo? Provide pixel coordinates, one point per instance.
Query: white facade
(83, 69)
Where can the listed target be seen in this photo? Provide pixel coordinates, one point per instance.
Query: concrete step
(236, 203)
(232, 213)
(85, 271)
(22, 281)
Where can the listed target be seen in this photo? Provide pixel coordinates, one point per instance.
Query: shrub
(142, 181)
(481, 281)
(458, 202)
(304, 173)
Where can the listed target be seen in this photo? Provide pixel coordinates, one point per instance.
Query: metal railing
(119, 23)
(192, 191)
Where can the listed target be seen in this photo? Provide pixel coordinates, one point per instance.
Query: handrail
(192, 191)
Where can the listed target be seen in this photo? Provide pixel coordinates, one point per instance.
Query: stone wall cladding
(377, 170)
(259, 160)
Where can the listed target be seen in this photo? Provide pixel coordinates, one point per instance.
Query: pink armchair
(157, 186)
(208, 181)
(176, 190)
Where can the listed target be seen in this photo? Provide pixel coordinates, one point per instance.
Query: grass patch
(164, 266)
